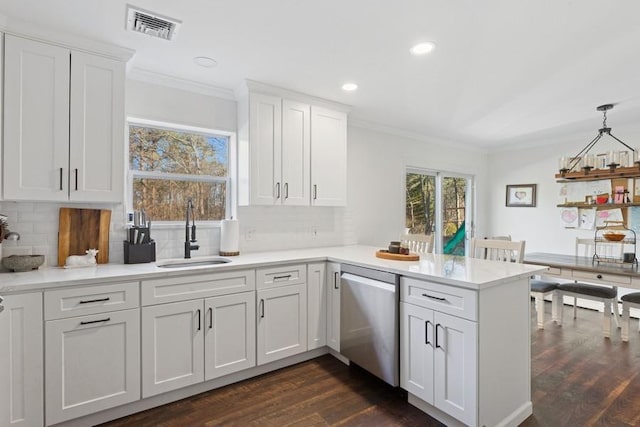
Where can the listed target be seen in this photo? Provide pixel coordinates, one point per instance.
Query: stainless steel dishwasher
(369, 335)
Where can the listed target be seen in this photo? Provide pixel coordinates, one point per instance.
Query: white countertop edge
(458, 271)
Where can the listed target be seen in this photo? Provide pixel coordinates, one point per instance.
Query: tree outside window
(168, 166)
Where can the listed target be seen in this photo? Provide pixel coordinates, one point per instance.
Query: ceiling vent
(151, 24)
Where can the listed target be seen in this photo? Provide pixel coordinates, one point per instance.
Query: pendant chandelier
(587, 161)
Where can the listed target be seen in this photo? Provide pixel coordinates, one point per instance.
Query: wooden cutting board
(82, 229)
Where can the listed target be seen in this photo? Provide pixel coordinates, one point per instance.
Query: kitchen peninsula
(481, 304)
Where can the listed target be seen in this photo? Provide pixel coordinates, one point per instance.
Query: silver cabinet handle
(287, 276)
(89, 322)
(277, 190)
(286, 190)
(336, 276)
(262, 309)
(315, 191)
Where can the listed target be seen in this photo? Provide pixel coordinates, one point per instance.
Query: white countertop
(454, 270)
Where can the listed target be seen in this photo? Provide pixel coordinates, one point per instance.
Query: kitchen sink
(184, 263)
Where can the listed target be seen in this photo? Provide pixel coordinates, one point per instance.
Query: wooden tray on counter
(385, 254)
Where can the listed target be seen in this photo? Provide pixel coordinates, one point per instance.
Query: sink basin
(184, 263)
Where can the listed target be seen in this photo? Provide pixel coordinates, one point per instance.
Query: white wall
(376, 174)
(540, 227)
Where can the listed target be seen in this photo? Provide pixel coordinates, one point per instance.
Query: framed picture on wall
(521, 195)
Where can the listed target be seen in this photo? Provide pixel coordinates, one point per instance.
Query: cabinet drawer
(172, 289)
(447, 299)
(281, 276)
(553, 271)
(601, 278)
(61, 303)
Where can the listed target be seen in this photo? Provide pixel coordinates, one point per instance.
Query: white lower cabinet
(316, 306)
(21, 373)
(188, 342)
(282, 322)
(172, 346)
(439, 360)
(230, 334)
(333, 305)
(92, 363)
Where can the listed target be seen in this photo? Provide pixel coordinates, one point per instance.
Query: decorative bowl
(22, 262)
(614, 237)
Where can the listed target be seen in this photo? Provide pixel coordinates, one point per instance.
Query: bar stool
(628, 301)
(539, 290)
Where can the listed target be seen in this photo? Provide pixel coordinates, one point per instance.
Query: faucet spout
(188, 240)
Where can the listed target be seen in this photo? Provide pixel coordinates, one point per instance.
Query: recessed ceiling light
(205, 61)
(422, 48)
(349, 87)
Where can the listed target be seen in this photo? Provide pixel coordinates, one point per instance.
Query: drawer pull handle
(88, 322)
(89, 301)
(434, 297)
(288, 276)
(210, 318)
(599, 276)
(336, 276)
(262, 309)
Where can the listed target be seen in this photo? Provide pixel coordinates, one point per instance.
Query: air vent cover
(151, 24)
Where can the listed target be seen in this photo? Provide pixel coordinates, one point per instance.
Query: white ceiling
(503, 71)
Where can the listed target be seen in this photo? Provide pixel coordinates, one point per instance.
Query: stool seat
(591, 290)
(632, 298)
(542, 285)
(629, 301)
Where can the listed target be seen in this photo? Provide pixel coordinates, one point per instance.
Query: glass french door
(440, 203)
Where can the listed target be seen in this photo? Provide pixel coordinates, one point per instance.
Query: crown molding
(419, 137)
(27, 30)
(152, 77)
(254, 86)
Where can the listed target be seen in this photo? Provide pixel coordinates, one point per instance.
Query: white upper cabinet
(279, 134)
(296, 152)
(63, 124)
(328, 157)
(36, 120)
(96, 146)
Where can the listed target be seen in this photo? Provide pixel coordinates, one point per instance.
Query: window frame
(229, 180)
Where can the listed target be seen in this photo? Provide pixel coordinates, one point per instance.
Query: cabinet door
(296, 155)
(455, 367)
(92, 363)
(416, 347)
(333, 305)
(328, 157)
(96, 144)
(172, 346)
(316, 306)
(36, 121)
(265, 134)
(21, 387)
(230, 334)
(282, 322)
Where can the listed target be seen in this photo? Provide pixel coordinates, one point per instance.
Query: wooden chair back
(497, 250)
(586, 247)
(420, 243)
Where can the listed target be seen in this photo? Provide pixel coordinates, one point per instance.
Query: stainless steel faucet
(188, 246)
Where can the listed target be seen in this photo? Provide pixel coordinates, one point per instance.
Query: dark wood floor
(578, 379)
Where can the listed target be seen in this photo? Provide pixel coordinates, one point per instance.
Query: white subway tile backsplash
(272, 228)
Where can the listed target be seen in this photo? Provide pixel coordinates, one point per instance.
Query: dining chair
(419, 243)
(497, 250)
(604, 294)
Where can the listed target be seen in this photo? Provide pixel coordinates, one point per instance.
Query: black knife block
(141, 253)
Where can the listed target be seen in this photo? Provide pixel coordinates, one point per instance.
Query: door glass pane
(454, 190)
(420, 203)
